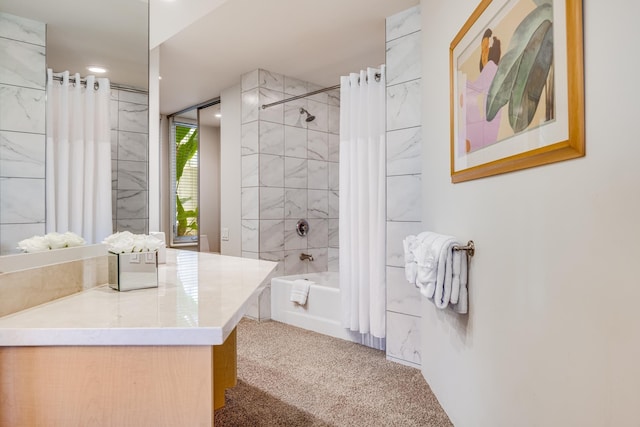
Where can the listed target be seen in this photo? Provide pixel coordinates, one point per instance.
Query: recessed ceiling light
(159, 77)
(96, 69)
(218, 115)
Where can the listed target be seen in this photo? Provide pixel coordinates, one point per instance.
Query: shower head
(309, 118)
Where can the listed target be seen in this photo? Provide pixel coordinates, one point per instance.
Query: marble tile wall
(22, 130)
(289, 172)
(129, 161)
(404, 183)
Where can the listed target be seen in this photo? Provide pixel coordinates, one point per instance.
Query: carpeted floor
(292, 377)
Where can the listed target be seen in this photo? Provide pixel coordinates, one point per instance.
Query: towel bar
(470, 248)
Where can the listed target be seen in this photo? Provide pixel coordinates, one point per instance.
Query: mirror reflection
(71, 35)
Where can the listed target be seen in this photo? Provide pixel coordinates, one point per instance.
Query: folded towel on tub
(300, 291)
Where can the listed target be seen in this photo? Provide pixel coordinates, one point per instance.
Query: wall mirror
(79, 33)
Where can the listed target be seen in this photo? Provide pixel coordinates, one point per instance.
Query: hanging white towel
(462, 306)
(438, 268)
(455, 282)
(300, 291)
(439, 271)
(444, 279)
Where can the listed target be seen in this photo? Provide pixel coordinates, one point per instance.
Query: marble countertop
(200, 298)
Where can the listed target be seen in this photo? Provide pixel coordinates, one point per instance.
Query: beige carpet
(292, 377)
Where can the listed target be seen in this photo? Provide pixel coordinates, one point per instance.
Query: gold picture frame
(516, 87)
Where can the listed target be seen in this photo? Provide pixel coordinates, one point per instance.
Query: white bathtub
(322, 311)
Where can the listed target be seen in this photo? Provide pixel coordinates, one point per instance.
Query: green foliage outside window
(186, 149)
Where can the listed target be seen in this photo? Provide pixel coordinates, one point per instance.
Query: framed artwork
(517, 87)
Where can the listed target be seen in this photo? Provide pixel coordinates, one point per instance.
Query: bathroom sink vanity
(150, 357)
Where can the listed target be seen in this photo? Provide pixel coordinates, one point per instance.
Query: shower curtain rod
(113, 85)
(293, 98)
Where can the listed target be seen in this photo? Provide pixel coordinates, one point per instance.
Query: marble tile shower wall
(289, 172)
(22, 130)
(129, 161)
(404, 187)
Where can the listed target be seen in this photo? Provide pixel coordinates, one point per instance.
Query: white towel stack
(300, 291)
(437, 270)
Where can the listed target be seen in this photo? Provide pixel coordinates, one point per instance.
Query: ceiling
(111, 33)
(316, 41)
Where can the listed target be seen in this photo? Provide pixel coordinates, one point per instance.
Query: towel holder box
(135, 270)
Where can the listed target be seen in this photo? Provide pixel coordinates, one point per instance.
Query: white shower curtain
(78, 162)
(362, 201)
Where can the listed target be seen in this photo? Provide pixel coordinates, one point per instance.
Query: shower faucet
(304, 256)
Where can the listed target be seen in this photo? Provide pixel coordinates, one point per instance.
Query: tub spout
(304, 256)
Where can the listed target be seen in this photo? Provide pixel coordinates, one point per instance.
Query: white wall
(552, 335)
(209, 153)
(230, 205)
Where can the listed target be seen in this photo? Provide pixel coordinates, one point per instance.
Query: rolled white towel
(409, 243)
(431, 258)
(410, 266)
(300, 291)
(427, 273)
(411, 272)
(426, 266)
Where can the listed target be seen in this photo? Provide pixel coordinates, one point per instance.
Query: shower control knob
(302, 227)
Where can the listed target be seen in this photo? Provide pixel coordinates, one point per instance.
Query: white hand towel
(300, 291)
(462, 306)
(455, 282)
(442, 295)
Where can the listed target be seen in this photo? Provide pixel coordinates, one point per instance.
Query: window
(184, 184)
